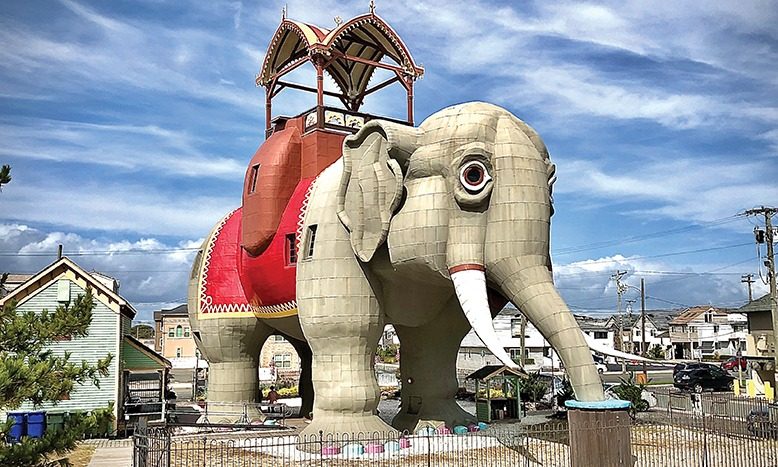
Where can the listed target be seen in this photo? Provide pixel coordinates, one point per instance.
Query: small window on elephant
(311, 240)
(253, 179)
(291, 249)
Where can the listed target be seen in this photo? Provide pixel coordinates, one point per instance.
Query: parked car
(702, 378)
(601, 367)
(689, 366)
(733, 362)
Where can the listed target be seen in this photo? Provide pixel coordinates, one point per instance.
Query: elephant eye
(474, 176)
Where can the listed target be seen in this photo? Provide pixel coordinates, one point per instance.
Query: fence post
(599, 430)
(321, 447)
(205, 450)
(168, 447)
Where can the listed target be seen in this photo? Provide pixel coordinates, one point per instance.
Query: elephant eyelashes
(474, 176)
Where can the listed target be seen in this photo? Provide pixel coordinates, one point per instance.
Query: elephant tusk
(470, 287)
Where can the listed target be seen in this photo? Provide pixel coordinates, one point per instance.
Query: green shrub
(628, 390)
(288, 392)
(533, 387)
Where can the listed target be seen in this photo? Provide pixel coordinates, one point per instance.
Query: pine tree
(5, 175)
(31, 373)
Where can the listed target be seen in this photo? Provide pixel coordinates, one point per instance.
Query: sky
(128, 126)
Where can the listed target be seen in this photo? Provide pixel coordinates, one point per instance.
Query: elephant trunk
(470, 287)
(531, 290)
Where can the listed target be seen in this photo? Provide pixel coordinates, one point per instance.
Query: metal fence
(665, 436)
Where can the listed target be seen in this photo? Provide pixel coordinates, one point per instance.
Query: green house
(59, 284)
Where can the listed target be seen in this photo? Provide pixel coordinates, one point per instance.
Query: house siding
(133, 359)
(100, 341)
(126, 324)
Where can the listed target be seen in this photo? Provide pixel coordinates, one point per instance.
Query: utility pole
(631, 324)
(643, 326)
(768, 236)
(748, 279)
(620, 290)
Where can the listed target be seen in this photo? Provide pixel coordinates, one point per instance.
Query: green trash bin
(55, 421)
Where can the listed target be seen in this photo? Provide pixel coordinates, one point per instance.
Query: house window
(715, 328)
(516, 355)
(708, 317)
(283, 360)
(171, 332)
(186, 332)
(278, 338)
(291, 249)
(637, 333)
(311, 240)
(179, 331)
(253, 179)
(600, 335)
(178, 352)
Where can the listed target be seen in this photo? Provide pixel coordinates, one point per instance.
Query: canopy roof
(490, 371)
(352, 52)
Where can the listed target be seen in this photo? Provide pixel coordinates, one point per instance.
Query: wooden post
(319, 93)
(410, 101)
(599, 433)
(268, 110)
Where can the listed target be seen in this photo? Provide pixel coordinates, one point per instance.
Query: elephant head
(466, 197)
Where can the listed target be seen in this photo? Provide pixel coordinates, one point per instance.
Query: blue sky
(128, 126)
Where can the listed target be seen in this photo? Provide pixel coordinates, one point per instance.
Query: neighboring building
(707, 331)
(599, 330)
(13, 281)
(631, 324)
(759, 341)
(60, 284)
(278, 360)
(474, 355)
(173, 337)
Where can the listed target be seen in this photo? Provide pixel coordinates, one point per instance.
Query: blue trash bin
(36, 424)
(19, 427)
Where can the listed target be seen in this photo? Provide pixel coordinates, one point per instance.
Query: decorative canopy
(350, 53)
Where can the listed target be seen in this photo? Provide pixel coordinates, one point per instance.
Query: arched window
(179, 331)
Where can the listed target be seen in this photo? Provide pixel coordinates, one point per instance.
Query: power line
(160, 251)
(638, 238)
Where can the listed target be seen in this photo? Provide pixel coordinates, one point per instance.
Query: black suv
(703, 377)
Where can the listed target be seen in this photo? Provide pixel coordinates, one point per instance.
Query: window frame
(253, 176)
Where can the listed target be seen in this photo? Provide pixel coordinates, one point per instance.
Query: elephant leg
(428, 357)
(341, 320)
(305, 387)
(232, 346)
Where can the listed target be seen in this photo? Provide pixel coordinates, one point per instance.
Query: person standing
(272, 395)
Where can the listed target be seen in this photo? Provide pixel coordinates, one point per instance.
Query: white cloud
(587, 285)
(91, 205)
(132, 147)
(152, 274)
(679, 188)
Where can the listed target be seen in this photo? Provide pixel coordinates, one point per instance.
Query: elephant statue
(431, 229)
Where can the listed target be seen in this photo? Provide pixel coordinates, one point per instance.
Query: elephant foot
(433, 411)
(337, 427)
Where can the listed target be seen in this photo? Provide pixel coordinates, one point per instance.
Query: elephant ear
(371, 188)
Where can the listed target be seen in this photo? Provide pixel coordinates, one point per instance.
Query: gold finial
(372, 7)
(283, 12)
(338, 20)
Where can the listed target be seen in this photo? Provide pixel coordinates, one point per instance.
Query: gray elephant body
(432, 230)
(465, 195)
